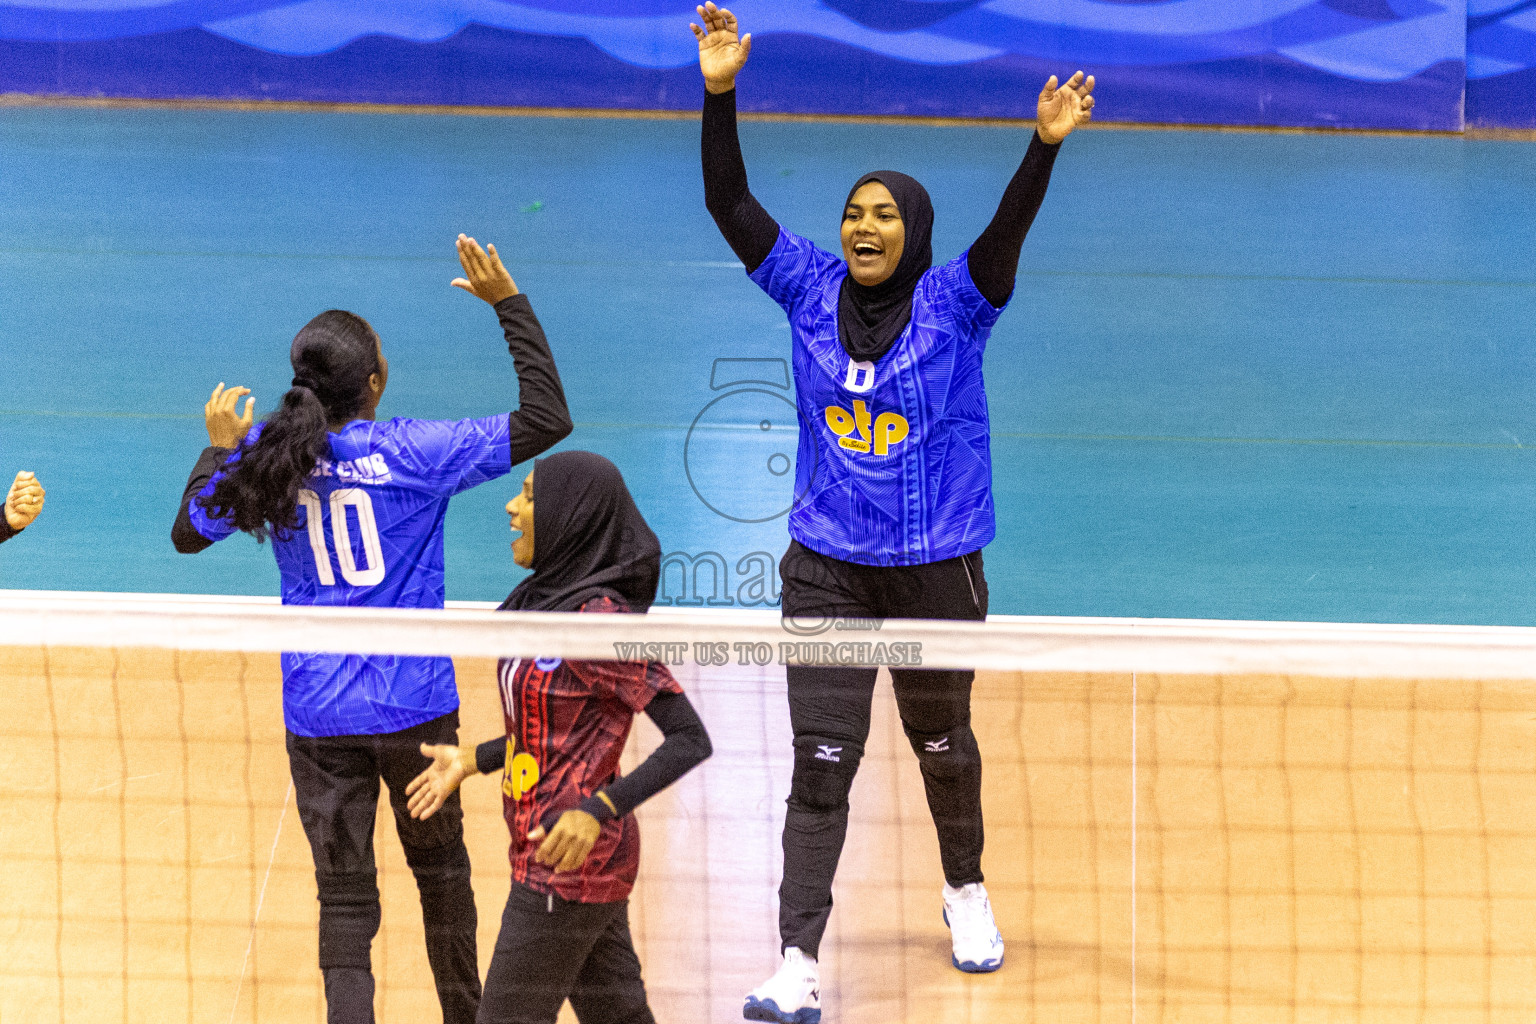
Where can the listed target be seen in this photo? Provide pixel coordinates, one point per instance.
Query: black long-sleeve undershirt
(684, 745)
(540, 421)
(994, 256)
(747, 227)
(752, 233)
(183, 534)
(6, 531)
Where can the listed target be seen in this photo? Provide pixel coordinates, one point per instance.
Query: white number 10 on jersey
(370, 576)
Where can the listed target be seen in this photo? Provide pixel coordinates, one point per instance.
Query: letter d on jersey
(861, 377)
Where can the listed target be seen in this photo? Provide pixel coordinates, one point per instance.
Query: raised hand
(427, 792)
(24, 501)
(484, 276)
(566, 846)
(1063, 109)
(226, 427)
(722, 52)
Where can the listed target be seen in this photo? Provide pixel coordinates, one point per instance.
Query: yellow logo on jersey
(520, 775)
(889, 429)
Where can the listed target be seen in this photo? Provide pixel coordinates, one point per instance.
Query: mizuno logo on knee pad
(826, 753)
(937, 746)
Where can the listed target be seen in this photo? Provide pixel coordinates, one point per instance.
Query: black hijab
(871, 317)
(589, 539)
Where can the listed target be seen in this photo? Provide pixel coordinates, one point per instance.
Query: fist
(24, 501)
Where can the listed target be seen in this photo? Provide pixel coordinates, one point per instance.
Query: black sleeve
(6, 532)
(994, 259)
(751, 232)
(542, 419)
(183, 534)
(491, 756)
(684, 745)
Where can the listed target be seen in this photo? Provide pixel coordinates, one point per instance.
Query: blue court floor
(1277, 376)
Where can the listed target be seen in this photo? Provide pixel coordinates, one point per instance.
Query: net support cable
(687, 636)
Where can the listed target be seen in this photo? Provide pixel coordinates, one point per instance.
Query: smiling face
(873, 234)
(520, 509)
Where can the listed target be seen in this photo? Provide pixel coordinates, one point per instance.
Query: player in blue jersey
(893, 490)
(354, 509)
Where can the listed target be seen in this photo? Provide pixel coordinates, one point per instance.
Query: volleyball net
(1186, 821)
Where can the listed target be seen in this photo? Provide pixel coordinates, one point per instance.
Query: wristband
(599, 806)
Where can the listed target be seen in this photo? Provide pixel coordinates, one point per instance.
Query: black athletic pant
(336, 781)
(829, 710)
(550, 950)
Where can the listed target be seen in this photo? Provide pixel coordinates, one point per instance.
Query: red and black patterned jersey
(567, 722)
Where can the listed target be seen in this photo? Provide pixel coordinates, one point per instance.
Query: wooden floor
(1301, 850)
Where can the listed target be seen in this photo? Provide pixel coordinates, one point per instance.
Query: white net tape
(727, 637)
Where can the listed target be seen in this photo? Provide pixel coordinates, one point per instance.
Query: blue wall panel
(1501, 63)
(1342, 63)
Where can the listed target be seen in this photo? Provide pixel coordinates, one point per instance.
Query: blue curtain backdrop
(1345, 63)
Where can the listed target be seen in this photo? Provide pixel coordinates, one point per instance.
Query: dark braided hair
(333, 357)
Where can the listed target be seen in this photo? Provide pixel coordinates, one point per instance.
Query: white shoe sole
(768, 1010)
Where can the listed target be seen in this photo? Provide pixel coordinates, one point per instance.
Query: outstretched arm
(994, 258)
(542, 418)
(451, 765)
(227, 427)
(747, 227)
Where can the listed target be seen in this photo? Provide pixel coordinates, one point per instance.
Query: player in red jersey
(575, 843)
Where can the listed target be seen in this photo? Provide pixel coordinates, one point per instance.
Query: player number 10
(341, 533)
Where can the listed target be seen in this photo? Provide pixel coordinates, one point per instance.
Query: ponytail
(333, 357)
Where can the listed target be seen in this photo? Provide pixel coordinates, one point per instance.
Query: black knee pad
(945, 754)
(439, 866)
(349, 918)
(824, 771)
(442, 879)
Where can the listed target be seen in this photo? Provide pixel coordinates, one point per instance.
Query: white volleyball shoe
(791, 996)
(976, 944)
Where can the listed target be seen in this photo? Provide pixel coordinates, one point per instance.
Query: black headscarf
(589, 539)
(871, 317)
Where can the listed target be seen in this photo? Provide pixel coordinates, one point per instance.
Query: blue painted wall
(1501, 63)
(1343, 63)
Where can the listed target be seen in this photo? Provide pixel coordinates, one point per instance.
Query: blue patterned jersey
(371, 533)
(894, 464)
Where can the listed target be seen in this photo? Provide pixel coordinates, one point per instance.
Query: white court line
(1133, 848)
(261, 897)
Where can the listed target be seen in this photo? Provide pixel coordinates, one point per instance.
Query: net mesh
(1162, 846)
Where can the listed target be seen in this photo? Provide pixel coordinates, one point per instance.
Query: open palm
(1063, 109)
(723, 50)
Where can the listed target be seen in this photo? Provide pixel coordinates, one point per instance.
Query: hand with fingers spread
(1061, 110)
(226, 427)
(24, 501)
(566, 846)
(484, 276)
(427, 792)
(722, 51)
